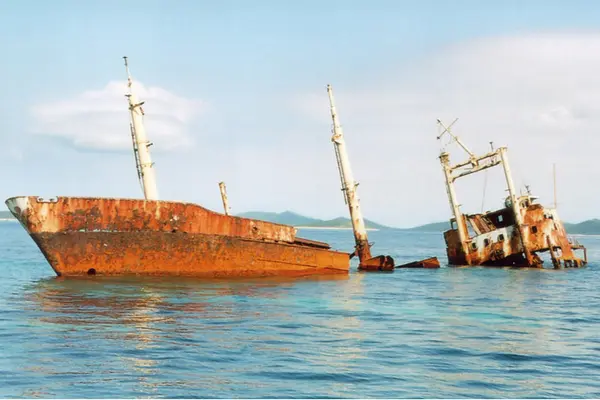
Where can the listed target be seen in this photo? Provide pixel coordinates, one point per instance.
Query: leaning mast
(141, 143)
(363, 248)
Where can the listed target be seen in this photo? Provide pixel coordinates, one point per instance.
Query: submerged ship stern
(511, 236)
(495, 240)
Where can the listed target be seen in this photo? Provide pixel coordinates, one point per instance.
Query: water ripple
(452, 332)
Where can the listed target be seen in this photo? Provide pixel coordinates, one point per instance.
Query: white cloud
(99, 119)
(539, 94)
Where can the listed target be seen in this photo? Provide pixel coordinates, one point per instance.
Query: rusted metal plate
(379, 263)
(81, 236)
(431, 262)
(313, 243)
(68, 214)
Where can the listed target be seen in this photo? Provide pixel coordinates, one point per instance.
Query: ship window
(474, 246)
(486, 242)
(501, 238)
(534, 229)
(500, 218)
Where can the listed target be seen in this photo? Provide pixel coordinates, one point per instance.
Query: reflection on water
(147, 323)
(452, 332)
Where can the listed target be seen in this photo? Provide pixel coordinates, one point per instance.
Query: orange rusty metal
(105, 236)
(431, 262)
(511, 236)
(379, 263)
(496, 241)
(369, 263)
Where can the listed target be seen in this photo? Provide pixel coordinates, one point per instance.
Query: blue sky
(235, 91)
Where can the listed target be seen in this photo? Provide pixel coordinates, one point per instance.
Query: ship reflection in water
(201, 327)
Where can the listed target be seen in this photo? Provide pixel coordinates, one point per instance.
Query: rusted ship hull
(499, 243)
(83, 236)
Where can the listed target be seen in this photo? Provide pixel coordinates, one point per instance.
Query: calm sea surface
(452, 332)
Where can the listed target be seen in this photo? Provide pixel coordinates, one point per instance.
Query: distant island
(297, 220)
(588, 227)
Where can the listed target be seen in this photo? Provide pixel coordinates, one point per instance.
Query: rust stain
(368, 263)
(497, 242)
(104, 236)
(431, 262)
(512, 236)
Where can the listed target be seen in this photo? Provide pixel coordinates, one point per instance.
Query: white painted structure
(348, 183)
(141, 143)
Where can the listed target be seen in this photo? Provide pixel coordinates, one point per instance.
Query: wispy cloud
(538, 93)
(99, 119)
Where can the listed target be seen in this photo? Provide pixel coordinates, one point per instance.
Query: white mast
(349, 185)
(363, 248)
(140, 142)
(224, 197)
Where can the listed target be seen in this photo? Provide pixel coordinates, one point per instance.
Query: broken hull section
(431, 262)
(80, 236)
(497, 241)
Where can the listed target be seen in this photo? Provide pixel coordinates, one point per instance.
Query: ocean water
(451, 332)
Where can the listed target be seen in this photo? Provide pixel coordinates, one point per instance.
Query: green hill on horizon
(432, 227)
(294, 219)
(588, 227)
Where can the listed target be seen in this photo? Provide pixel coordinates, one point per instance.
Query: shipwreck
(513, 235)
(117, 236)
(349, 188)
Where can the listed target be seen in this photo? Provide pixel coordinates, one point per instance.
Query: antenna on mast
(456, 139)
(129, 82)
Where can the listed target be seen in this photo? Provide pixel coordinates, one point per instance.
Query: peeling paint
(123, 236)
(511, 236)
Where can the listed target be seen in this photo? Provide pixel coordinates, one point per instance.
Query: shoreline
(331, 228)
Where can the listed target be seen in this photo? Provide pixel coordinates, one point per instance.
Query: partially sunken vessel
(514, 235)
(112, 236)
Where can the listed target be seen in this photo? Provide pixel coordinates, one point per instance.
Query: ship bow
(18, 206)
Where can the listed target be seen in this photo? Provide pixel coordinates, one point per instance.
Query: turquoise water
(451, 332)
